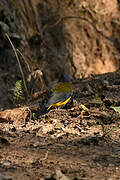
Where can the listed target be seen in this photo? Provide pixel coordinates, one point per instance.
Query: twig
(38, 94)
(105, 132)
(18, 63)
(43, 159)
(24, 60)
(76, 17)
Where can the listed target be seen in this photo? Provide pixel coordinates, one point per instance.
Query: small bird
(62, 92)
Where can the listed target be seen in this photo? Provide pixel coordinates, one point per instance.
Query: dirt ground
(80, 141)
(66, 143)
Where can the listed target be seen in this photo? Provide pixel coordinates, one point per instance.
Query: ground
(78, 142)
(82, 139)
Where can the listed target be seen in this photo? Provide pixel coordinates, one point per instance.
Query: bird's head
(65, 78)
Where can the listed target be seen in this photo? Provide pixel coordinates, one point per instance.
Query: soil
(82, 139)
(76, 141)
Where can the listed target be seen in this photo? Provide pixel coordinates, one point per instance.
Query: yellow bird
(62, 93)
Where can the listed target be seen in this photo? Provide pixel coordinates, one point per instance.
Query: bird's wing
(58, 97)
